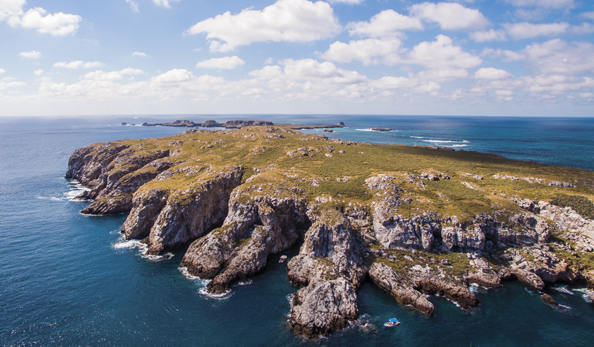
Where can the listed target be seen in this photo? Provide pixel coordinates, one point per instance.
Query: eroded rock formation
(238, 197)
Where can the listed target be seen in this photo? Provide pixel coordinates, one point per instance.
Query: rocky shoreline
(236, 197)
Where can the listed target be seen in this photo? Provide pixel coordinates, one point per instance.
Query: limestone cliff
(415, 221)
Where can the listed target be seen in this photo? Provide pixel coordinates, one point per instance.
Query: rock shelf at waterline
(413, 220)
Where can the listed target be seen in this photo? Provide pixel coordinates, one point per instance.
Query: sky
(389, 57)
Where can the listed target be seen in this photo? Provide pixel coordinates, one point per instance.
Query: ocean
(71, 280)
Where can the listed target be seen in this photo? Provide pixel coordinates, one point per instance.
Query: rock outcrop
(330, 265)
(114, 172)
(408, 288)
(187, 213)
(264, 218)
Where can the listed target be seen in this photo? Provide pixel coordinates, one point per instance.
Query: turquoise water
(68, 279)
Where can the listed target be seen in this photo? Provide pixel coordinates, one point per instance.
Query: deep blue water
(66, 279)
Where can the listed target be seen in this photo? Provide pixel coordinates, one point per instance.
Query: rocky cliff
(415, 221)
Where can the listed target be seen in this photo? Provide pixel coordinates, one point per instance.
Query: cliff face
(387, 213)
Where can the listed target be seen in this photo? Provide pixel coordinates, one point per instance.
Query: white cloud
(589, 15)
(57, 24)
(2, 71)
(10, 8)
(491, 35)
(30, 55)
(228, 63)
(490, 73)
(559, 57)
(38, 72)
(79, 64)
(369, 51)
(505, 55)
(133, 5)
(112, 76)
(439, 54)
(450, 15)
(556, 4)
(385, 23)
(164, 3)
(10, 83)
(285, 20)
(527, 30)
(139, 54)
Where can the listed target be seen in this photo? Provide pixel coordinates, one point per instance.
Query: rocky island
(415, 221)
(237, 124)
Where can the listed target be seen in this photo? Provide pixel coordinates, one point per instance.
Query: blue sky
(503, 57)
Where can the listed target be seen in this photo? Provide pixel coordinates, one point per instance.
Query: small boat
(282, 259)
(392, 322)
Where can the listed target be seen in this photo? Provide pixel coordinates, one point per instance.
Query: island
(415, 221)
(236, 124)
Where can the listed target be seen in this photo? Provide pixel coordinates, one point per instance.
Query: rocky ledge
(414, 221)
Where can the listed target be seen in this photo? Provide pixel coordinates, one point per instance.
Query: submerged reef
(415, 221)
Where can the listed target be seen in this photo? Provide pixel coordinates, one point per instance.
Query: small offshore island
(413, 220)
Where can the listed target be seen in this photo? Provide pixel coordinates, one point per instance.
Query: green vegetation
(339, 169)
(580, 204)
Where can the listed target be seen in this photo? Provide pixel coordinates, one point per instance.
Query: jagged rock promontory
(415, 221)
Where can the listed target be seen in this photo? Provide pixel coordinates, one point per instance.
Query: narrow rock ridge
(331, 267)
(264, 218)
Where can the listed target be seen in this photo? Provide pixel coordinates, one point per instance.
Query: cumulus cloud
(2, 71)
(164, 3)
(30, 55)
(439, 54)
(228, 63)
(450, 15)
(285, 20)
(369, 51)
(490, 35)
(139, 54)
(527, 30)
(38, 72)
(555, 4)
(79, 64)
(385, 23)
(57, 24)
(490, 73)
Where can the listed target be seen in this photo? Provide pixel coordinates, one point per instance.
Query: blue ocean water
(68, 279)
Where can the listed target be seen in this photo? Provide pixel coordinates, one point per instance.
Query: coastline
(390, 239)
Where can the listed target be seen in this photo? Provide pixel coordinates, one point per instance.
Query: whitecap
(75, 189)
(368, 129)
(417, 137)
(244, 283)
(50, 198)
(142, 248)
(223, 296)
(563, 289)
(184, 271)
(130, 244)
(442, 141)
(459, 145)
